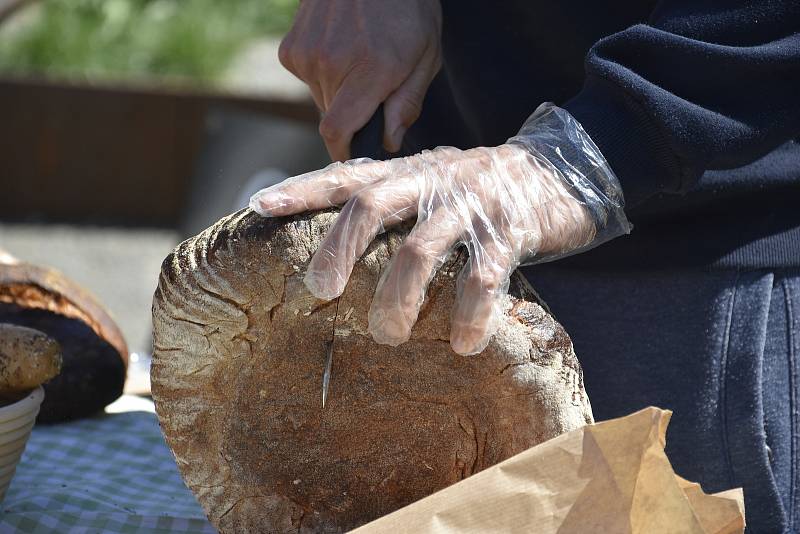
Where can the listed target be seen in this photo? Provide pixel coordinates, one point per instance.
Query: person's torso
(502, 59)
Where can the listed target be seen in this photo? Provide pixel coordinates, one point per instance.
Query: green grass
(178, 40)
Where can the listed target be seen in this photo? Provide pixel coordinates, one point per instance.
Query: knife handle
(368, 141)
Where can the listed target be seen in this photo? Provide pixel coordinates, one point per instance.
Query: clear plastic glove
(546, 193)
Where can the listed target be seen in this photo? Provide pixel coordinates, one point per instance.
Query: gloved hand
(356, 54)
(520, 202)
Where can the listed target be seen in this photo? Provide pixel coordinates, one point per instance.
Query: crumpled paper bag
(610, 477)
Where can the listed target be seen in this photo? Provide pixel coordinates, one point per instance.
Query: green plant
(190, 40)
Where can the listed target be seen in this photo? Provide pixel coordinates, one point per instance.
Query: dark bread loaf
(94, 354)
(239, 355)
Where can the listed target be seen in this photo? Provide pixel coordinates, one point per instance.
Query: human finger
(401, 289)
(296, 49)
(403, 107)
(356, 100)
(479, 288)
(319, 189)
(363, 217)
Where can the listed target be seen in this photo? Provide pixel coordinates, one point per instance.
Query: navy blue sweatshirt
(696, 106)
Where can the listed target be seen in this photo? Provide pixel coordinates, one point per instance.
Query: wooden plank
(105, 154)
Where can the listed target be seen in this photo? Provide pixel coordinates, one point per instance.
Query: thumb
(403, 107)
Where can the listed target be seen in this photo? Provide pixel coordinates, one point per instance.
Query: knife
(366, 143)
(326, 375)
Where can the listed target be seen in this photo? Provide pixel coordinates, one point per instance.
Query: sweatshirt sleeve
(703, 85)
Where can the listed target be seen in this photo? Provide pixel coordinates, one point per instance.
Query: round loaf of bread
(94, 353)
(240, 350)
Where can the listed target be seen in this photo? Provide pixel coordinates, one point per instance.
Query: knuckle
(415, 250)
(367, 203)
(487, 281)
(285, 52)
(410, 107)
(331, 130)
(297, 62)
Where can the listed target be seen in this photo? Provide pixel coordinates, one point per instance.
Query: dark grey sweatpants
(719, 348)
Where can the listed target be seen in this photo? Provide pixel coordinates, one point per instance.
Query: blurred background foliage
(180, 41)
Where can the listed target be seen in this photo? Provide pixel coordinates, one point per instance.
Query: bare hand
(356, 54)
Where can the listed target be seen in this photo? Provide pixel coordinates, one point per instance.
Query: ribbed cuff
(628, 139)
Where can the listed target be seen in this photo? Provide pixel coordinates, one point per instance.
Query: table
(112, 474)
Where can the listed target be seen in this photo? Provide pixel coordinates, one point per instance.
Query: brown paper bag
(608, 477)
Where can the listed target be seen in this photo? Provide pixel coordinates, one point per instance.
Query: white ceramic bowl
(16, 422)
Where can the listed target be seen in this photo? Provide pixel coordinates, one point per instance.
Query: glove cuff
(558, 141)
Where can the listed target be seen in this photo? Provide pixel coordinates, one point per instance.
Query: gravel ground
(119, 265)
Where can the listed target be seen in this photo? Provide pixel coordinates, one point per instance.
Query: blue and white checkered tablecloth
(109, 474)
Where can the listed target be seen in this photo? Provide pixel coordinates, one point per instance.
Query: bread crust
(28, 358)
(94, 353)
(239, 353)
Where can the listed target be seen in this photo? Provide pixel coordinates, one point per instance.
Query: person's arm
(662, 105)
(704, 85)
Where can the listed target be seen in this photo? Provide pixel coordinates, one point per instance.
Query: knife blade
(326, 375)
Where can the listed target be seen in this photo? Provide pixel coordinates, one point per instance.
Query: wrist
(560, 145)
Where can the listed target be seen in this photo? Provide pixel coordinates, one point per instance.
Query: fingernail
(267, 203)
(468, 341)
(394, 330)
(465, 347)
(387, 330)
(323, 285)
(396, 138)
